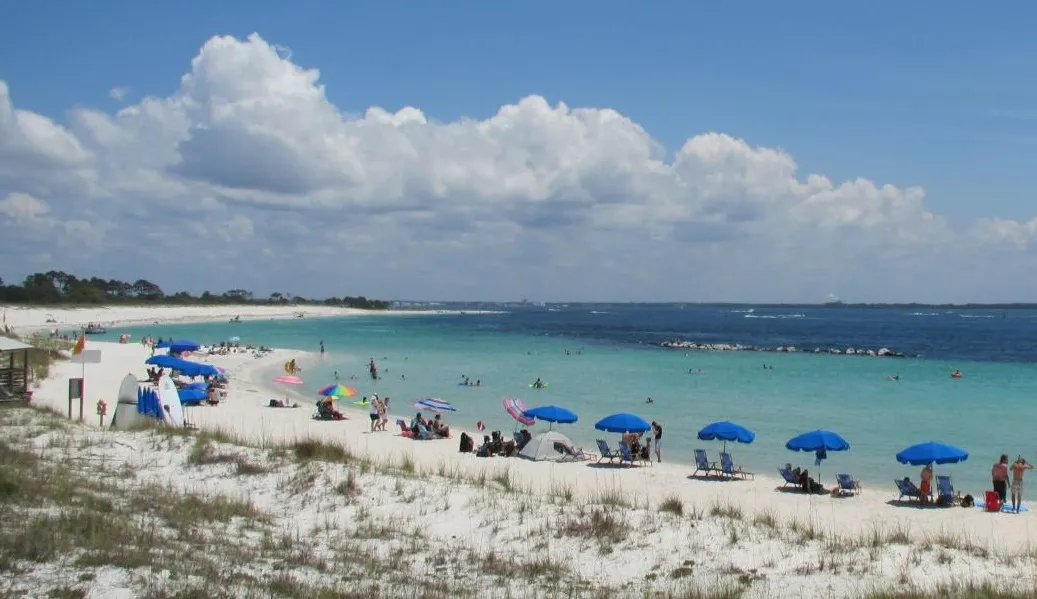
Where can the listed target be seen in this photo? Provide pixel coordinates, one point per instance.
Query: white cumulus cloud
(249, 159)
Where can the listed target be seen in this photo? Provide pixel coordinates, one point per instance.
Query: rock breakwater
(883, 352)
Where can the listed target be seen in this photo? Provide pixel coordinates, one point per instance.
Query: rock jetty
(883, 352)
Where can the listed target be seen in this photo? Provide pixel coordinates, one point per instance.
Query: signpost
(75, 391)
(84, 357)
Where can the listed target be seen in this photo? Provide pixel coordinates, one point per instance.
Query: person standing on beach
(657, 430)
(999, 474)
(1018, 469)
(322, 348)
(927, 483)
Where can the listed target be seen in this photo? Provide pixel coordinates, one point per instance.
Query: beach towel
(1005, 507)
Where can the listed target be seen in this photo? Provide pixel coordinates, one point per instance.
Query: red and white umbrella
(515, 408)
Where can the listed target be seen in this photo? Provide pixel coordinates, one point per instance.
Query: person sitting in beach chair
(521, 438)
(486, 449)
(439, 429)
(416, 424)
(326, 410)
(790, 475)
(496, 443)
(807, 484)
(645, 454)
(633, 441)
(908, 489)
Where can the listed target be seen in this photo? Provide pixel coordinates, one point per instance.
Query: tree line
(57, 287)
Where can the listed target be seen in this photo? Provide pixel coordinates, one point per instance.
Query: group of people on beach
(379, 412)
(999, 475)
(429, 428)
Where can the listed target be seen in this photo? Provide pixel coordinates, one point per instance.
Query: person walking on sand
(999, 476)
(1018, 469)
(657, 431)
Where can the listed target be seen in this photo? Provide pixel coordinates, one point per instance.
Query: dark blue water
(958, 334)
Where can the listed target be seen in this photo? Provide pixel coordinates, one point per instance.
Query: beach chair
(790, 478)
(728, 468)
(404, 431)
(993, 503)
(702, 463)
(847, 484)
(603, 447)
(945, 491)
(908, 489)
(571, 454)
(625, 454)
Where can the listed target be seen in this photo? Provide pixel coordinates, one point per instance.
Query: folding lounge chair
(626, 454)
(573, 454)
(702, 463)
(603, 447)
(727, 466)
(848, 485)
(790, 478)
(945, 491)
(908, 489)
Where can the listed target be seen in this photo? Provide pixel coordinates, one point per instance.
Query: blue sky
(937, 95)
(934, 94)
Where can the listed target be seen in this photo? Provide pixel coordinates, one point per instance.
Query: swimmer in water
(956, 374)
(649, 400)
(538, 384)
(893, 377)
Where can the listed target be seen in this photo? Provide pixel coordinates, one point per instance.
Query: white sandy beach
(947, 545)
(23, 319)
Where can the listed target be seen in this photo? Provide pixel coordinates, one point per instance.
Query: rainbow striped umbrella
(337, 390)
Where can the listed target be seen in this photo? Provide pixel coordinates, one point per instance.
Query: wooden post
(82, 393)
(25, 368)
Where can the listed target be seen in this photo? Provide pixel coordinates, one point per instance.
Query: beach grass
(75, 499)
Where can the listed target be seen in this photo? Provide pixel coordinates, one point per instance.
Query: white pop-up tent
(542, 447)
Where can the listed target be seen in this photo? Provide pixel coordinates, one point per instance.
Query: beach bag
(968, 501)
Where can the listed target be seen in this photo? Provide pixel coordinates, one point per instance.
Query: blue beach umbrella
(184, 366)
(820, 442)
(726, 431)
(181, 345)
(552, 414)
(192, 396)
(623, 423)
(932, 452)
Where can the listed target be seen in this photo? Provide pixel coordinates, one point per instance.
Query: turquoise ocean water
(990, 411)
